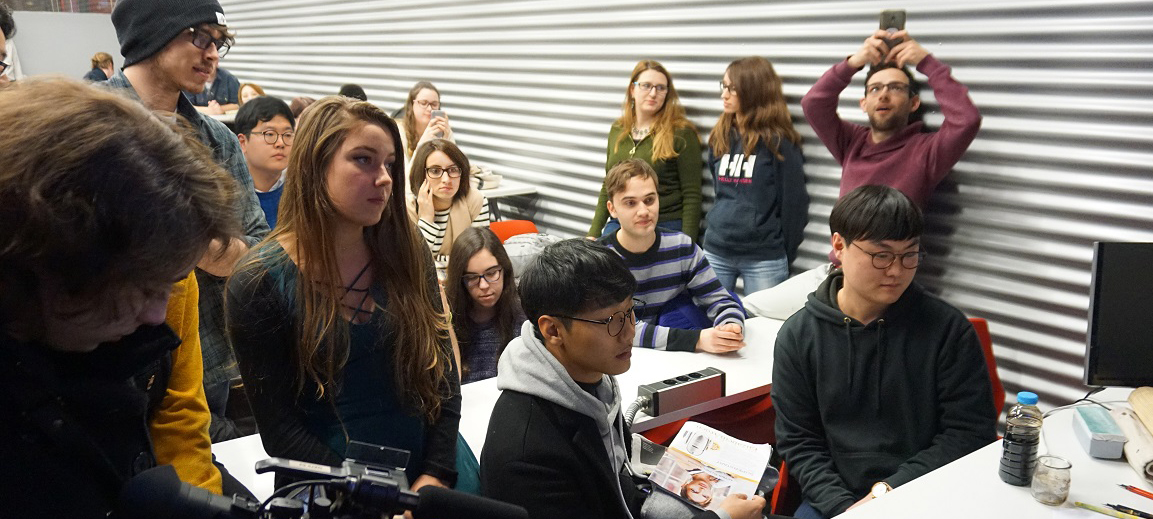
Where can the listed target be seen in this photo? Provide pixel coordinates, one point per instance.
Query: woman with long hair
(336, 316)
(418, 125)
(761, 208)
(653, 128)
(443, 202)
(486, 312)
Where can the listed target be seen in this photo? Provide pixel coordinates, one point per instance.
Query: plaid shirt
(219, 361)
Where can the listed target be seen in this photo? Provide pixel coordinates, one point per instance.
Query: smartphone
(440, 113)
(893, 20)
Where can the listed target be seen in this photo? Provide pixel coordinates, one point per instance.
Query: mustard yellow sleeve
(180, 426)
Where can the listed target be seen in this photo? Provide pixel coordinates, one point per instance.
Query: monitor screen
(1119, 347)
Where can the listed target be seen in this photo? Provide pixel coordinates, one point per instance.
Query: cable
(631, 412)
(283, 491)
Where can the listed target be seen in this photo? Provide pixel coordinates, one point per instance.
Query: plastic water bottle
(1022, 436)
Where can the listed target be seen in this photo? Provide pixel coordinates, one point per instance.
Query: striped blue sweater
(671, 266)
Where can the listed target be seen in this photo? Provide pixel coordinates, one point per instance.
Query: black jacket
(891, 400)
(76, 428)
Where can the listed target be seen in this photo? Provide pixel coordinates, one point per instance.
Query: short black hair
(261, 110)
(914, 86)
(7, 24)
(572, 276)
(354, 91)
(876, 213)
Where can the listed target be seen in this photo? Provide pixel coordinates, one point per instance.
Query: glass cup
(1051, 480)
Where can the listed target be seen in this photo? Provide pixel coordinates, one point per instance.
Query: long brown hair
(763, 113)
(669, 119)
(399, 262)
(410, 116)
(470, 242)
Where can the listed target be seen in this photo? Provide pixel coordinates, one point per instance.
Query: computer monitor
(1119, 347)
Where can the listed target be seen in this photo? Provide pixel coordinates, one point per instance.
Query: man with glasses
(876, 381)
(892, 151)
(265, 127)
(556, 439)
(171, 46)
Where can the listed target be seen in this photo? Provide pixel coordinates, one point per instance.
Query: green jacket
(679, 178)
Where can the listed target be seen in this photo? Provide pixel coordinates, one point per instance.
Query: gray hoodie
(528, 367)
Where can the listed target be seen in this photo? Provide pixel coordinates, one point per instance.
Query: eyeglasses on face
(728, 87)
(202, 39)
(875, 89)
(616, 322)
(491, 275)
(434, 105)
(436, 171)
(884, 259)
(270, 136)
(649, 87)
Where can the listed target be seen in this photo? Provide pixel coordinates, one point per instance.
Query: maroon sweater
(911, 161)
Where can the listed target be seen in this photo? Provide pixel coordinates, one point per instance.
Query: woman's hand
(423, 481)
(438, 125)
(424, 207)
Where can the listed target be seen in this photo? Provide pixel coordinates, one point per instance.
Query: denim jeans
(806, 511)
(614, 225)
(758, 274)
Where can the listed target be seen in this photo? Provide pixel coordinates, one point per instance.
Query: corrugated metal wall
(1063, 157)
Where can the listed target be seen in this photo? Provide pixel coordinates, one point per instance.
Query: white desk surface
(970, 488)
(749, 369)
(508, 188)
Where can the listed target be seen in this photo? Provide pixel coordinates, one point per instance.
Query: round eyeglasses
(270, 137)
(491, 275)
(437, 171)
(884, 259)
(616, 322)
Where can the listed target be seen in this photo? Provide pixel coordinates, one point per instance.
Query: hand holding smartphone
(435, 114)
(893, 20)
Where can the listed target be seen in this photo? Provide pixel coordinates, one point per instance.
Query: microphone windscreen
(158, 492)
(442, 503)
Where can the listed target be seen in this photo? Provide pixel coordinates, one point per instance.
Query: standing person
(336, 317)
(170, 46)
(891, 151)
(419, 126)
(443, 202)
(102, 67)
(111, 219)
(486, 312)
(7, 30)
(758, 218)
(556, 441)
(221, 93)
(265, 127)
(876, 381)
(653, 127)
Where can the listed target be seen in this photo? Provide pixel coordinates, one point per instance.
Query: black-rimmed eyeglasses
(270, 136)
(884, 259)
(649, 87)
(202, 39)
(616, 322)
(437, 171)
(3, 67)
(491, 275)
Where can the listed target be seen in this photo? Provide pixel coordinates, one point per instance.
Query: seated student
(666, 265)
(250, 91)
(221, 92)
(354, 91)
(876, 381)
(486, 311)
(556, 441)
(418, 125)
(265, 128)
(298, 105)
(102, 67)
(111, 219)
(444, 203)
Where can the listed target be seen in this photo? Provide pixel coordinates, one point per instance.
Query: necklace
(639, 133)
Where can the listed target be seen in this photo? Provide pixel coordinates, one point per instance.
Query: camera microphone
(158, 492)
(442, 502)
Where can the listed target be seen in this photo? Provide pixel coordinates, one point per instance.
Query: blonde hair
(101, 60)
(669, 119)
(399, 262)
(763, 113)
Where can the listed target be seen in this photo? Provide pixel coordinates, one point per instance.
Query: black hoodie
(887, 401)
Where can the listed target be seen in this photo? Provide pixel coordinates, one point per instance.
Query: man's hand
(868, 497)
(721, 339)
(218, 260)
(872, 52)
(214, 108)
(740, 506)
(908, 52)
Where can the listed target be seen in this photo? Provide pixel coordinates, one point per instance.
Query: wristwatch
(880, 488)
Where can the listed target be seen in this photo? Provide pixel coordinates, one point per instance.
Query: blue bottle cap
(1027, 398)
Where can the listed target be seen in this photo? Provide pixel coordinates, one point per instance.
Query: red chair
(787, 494)
(506, 229)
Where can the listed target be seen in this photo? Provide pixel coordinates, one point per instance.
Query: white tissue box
(1098, 433)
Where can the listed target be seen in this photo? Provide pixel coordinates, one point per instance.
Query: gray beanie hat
(146, 26)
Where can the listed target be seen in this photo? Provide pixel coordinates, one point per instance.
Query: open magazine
(703, 465)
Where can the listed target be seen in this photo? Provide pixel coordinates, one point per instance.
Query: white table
(506, 189)
(970, 488)
(747, 374)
